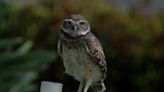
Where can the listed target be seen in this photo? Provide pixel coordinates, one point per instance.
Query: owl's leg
(87, 85)
(84, 86)
(81, 86)
(98, 86)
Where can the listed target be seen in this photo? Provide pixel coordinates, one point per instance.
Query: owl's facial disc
(75, 28)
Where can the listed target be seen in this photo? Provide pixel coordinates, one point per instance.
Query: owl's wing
(59, 48)
(95, 50)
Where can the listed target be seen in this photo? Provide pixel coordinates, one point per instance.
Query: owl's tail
(99, 86)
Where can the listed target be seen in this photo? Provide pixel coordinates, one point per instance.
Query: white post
(51, 87)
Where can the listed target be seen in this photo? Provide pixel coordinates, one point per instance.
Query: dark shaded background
(131, 32)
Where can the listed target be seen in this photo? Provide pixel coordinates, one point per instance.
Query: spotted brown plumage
(95, 50)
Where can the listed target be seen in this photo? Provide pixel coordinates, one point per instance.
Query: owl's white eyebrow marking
(69, 20)
(82, 21)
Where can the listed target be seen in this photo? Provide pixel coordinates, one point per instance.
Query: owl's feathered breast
(83, 57)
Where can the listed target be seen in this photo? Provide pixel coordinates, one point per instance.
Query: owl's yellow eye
(82, 23)
(68, 22)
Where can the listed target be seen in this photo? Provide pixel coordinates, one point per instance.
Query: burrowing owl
(82, 54)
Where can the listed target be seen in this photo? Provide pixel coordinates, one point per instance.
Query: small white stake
(47, 86)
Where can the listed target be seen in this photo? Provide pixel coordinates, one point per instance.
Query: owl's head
(75, 26)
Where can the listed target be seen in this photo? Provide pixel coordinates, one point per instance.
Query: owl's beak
(75, 27)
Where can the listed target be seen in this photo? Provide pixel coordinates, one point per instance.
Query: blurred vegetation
(133, 43)
(19, 66)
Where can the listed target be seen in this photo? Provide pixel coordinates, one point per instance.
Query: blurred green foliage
(133, 43)
(19, 66)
